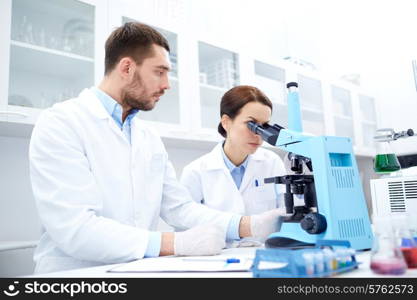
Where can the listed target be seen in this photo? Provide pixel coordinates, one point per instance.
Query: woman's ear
(225, 120)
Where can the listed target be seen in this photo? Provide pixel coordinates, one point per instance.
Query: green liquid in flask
(386, 163)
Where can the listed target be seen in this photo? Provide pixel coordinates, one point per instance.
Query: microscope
(328, 203)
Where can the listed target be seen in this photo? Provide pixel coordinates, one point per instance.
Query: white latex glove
(262, 225)
(200, 240)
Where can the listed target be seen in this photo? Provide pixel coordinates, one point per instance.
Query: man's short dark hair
(134, 40)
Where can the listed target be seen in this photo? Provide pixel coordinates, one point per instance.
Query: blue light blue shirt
(237, 172)
(115, 111)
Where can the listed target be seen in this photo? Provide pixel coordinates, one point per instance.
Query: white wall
(18, 217)
(17, 208)
(373, 38)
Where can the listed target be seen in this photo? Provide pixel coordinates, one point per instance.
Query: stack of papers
(187, 264)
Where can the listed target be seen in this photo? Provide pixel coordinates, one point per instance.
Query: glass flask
(405, 240)
(385, 161)
(386, 256)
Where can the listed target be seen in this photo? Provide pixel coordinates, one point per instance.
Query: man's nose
(166, 84)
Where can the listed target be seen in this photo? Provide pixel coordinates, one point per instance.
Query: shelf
(213, 87)
(311, 110)
(367, 122)
(49, 63)
(343, 117)
(51, 51)
(40, 77)
(16, 245)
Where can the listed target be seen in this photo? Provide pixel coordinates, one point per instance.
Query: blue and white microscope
(334, 206)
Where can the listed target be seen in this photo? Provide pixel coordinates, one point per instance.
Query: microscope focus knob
(314, 223)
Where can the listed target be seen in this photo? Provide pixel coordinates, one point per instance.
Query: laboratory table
(102, 271)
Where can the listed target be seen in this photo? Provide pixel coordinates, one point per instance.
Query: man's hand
(201, 240)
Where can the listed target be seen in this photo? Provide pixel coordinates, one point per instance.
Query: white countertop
(101, 271)
(15, 245)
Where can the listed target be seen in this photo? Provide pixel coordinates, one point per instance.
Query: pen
(227, 260)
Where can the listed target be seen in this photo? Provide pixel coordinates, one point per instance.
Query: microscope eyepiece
(267, 132)
(253, 127)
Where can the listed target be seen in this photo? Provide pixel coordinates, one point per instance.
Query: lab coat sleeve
(69, 201)
(181, 212)
(192, 181)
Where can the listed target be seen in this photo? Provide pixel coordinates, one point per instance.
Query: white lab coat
(210, 182)
(98, 196)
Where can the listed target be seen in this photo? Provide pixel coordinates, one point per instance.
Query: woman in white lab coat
(230, 177)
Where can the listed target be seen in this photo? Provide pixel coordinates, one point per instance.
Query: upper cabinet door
(52, 51)
(271, 80)
(219, 72)
(368, 120)
(342, 110)
(311, 100)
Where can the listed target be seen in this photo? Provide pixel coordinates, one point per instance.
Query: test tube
(340, 257)
(309, 262)
(329, 260)
(318, 260)
(349, 256)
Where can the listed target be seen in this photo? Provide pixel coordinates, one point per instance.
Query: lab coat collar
(217, 161)
(93, 104)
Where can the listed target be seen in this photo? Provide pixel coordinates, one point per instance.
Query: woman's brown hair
(236, 98)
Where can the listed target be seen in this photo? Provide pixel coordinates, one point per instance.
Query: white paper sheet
(186, 264)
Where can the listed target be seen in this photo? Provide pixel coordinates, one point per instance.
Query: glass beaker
(405, 240)
(385, 161)
(386, 256)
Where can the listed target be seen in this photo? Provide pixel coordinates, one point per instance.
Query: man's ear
(225, 120)
(126, 67)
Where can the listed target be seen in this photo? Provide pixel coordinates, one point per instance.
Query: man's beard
(140, 101)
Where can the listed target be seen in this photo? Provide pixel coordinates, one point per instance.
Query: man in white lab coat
(101, 178)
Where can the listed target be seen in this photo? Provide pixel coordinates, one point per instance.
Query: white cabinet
(368, 120)
(218, 72)
(342, 109)
(271, 80)
(50, 56)
(310, 90)
(55, 48)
